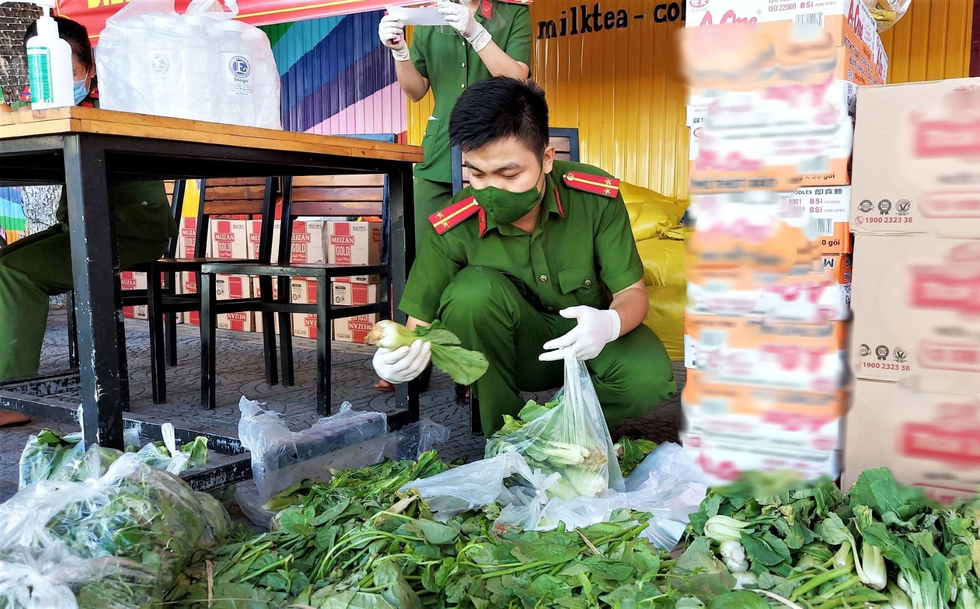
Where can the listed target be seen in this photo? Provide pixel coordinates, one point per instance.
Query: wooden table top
(77, 120)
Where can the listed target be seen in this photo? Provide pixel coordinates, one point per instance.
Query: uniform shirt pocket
(579, 280)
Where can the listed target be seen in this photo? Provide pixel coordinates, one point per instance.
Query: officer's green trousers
(32, 270)
(632, 375)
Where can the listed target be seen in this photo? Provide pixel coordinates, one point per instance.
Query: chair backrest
(175, 190)
(237, 197)
(343, 196)
(564, 140)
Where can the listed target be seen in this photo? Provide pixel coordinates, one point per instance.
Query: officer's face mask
(81, 90)
(506, 207)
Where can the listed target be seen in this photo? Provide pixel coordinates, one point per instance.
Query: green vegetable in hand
(462, 365)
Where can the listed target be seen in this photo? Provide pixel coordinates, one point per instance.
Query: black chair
(566, 146)
(338, 196)
(218, 198)
(136, 298)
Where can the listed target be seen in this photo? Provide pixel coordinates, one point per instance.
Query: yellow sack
(651, 214)
(666, 317)
(663, 262)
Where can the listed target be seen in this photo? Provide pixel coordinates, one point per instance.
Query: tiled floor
(240, 370)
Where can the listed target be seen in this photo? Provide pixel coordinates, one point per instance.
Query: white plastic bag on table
(202, 65)
(134, 511)
(478, 484)
(571, 439)
(54, 579)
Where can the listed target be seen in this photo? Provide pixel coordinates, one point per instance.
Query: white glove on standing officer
(403, 364)
(594, 331)
(460, 17)
(392, 34)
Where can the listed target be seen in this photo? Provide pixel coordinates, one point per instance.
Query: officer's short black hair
(499, 108)
(75, 34)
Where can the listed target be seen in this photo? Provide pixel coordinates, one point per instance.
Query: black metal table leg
(207, 285)
(158, 364)
(323, 333)
(72, 330)
(400, 255)
(286, 336)
(95, 270)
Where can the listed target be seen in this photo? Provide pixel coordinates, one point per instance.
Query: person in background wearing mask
(533, 261)
(487, 38)
(37, 267)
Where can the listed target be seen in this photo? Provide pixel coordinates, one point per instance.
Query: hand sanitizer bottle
(49, 64)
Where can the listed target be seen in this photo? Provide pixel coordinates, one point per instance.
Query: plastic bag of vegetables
(45, 453)
(54, 579)
(134, 511)
(567, 436)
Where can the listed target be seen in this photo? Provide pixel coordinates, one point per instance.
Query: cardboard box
(234, 287)
(360, 279)
(732, 429)
(355, 243)
(188, 285)
(253, 234)
(915, 308)
(257, 293)
(308, 240)
(354, 329)
(347, 294)
(843, 21)
(229, 239)
(304, 291)
(186, 239)
(829, 210)
(927, 436)
(129, 280)
(915, 152)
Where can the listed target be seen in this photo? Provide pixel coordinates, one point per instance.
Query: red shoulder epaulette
(597, 185)
(486, 6)
(527, 2)
(446, 219)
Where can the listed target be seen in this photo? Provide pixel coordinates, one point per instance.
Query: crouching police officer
(533, 261)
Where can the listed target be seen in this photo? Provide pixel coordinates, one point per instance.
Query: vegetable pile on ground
(462, 365)
(882, 545)
(355, 542)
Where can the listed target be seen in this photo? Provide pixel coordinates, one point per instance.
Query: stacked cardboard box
(769, 264)
(916, 223)
(234, 287)
(354, 243)
(129, 280)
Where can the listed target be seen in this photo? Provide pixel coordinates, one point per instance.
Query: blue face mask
(81, 91)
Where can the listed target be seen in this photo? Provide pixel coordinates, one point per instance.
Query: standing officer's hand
(594, 331)
(403, 364)
(466, 24)
(392, 35)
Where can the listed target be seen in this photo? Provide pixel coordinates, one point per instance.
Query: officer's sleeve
(418, 49)
(619, 262)
(518, 44)
(435, 266)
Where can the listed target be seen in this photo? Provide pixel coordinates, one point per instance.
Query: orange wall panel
(931, 42)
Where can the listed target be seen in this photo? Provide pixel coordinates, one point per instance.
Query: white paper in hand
(429, 15)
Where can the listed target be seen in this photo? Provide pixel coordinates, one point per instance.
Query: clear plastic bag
(45, 453)
(887, 12)
(134, 511)
(571, 439)
(202, 65)
(506, 479)
(54, 579)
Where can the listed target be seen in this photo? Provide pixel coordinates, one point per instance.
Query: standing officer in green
(533, 261)
(39, 266)
(488, 38)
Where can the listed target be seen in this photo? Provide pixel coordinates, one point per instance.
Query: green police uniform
(500, 290)
(443, 56)
(39, 266)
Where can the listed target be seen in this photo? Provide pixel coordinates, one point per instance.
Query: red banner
(94, 13)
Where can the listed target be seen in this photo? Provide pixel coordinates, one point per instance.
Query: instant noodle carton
(234, 287)
(354, 329)
(304, 291)
(929, 436)
(308, 242)
(129, 280)
(353, 243)
(257, 293)
(916, 154)
(187, 284)
(229, 238)
(801, 32)
(916, 310)
(348, 294)
(732, 429)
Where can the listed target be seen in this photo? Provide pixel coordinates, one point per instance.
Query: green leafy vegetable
(462, 365)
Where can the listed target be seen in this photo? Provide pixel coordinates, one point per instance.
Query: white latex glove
(403, 364)
(392, 35)
(594, 331)
(460, 17)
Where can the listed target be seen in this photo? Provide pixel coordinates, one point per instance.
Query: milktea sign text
(583, 20)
